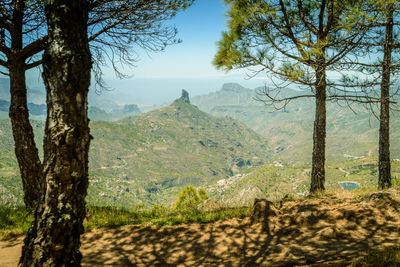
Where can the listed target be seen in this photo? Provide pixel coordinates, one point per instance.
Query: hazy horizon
(158, 78)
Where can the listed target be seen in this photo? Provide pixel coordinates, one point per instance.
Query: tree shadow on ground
(299, 234)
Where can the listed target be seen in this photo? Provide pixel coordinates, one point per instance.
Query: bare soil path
(326, 232)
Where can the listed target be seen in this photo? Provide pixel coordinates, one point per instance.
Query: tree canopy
(116, 29)
(296, 43)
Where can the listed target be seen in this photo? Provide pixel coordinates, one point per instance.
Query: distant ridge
(290, 131)
(36, 95)
(233, 87)
(34, 109)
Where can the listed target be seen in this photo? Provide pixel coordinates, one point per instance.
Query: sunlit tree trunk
(319, 135)
(54, 238)
(384, 142)
(25, 148)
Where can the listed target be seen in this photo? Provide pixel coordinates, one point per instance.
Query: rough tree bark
(25, 148)
(54, 237)
(384, 142)
(319, 135)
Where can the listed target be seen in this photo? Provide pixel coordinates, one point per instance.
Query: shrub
(138, 207)
(159, 211)
(189, 199)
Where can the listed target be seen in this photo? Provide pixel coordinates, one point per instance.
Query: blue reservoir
(349, 185)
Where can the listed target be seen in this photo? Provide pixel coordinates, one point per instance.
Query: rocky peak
(185, 96)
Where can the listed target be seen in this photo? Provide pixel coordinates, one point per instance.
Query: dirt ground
(327, 232)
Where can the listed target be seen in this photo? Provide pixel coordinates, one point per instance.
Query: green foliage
(202, 216)
(396, 183)
(189, 199)
(258, 30)
(138, 207)
(159, 211)
(14, 221)
(158, 215)
(187, 212)
(97, 217)
(387, 257)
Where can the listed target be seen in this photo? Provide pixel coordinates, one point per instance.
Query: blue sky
(199, 27)
(160, 77)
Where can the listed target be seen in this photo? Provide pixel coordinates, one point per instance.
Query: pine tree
(296, 43)
(54, 237)
(115, 28)
(376, 67)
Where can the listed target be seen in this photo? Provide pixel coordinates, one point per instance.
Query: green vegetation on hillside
(275, 181)
(148, 158)
(289, 131)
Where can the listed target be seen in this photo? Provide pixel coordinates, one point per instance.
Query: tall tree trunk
(319, 135)
(384, 142)
(25, 147)
(54, 238)
(26, 152)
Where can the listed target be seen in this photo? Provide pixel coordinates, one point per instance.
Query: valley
(148, 158)
(199, 133)
(350, 131)
(237, 151)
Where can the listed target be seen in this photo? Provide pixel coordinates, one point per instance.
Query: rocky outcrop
(185, 96)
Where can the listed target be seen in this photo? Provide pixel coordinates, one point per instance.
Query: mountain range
(148, 158)
(225, 141)
(350, 132)
(99, 108)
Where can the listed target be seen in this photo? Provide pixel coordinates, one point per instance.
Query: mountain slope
(166, 149)
(148, 158)
(96, 113)
(290, 131)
